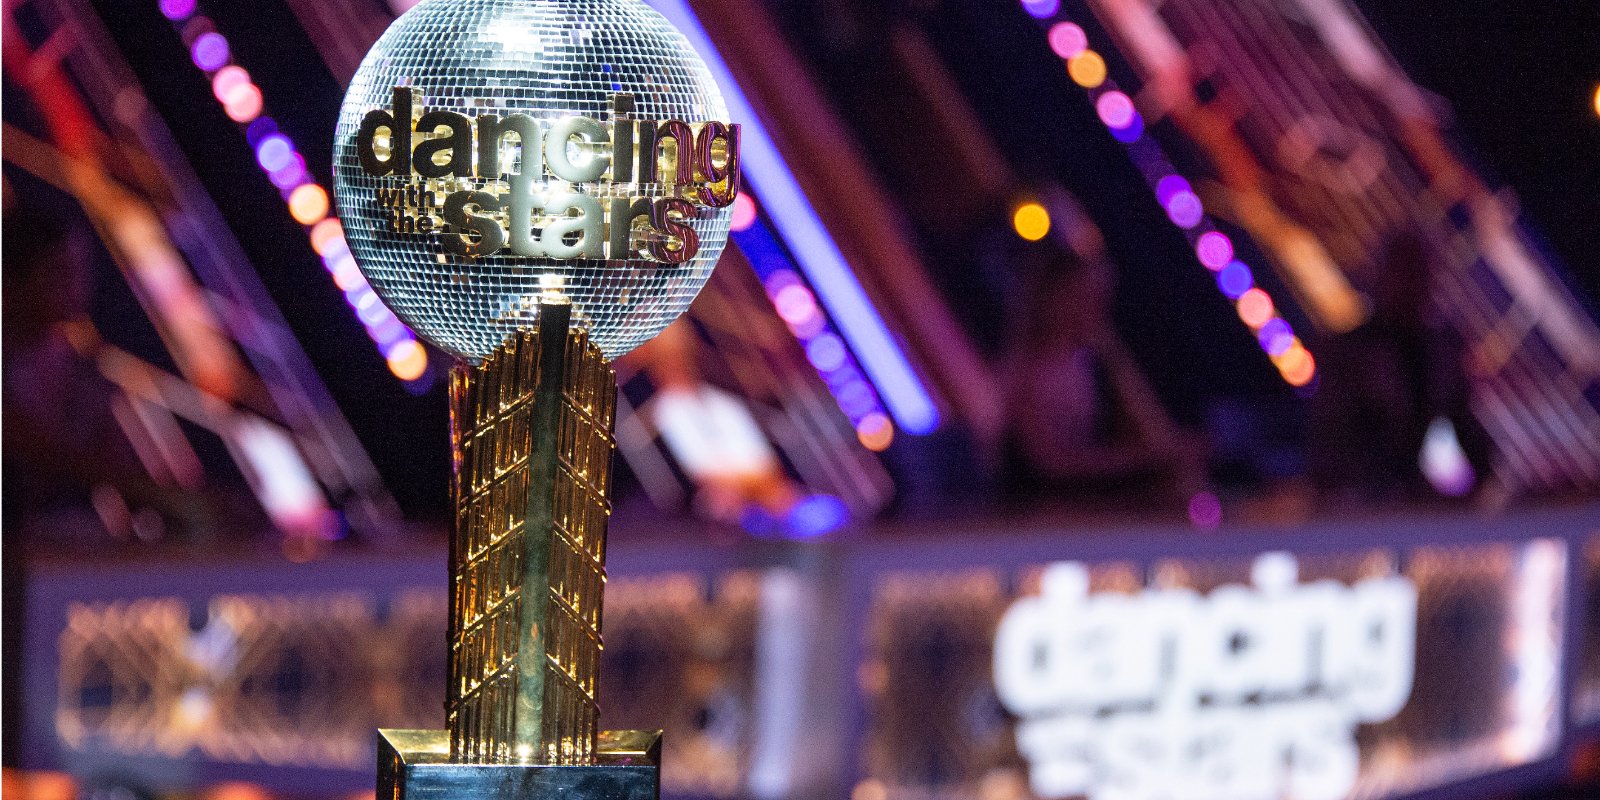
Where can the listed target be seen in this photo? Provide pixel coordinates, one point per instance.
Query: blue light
(817, 515)
(826, 352)
(291, 175)
(1276, 337)
(1131, 132)
(1235, 279)
(275, 152)
(1042, 9)
(389, 331)
(259, 128)
(1169, 186)
(210, 51)
(815, 251)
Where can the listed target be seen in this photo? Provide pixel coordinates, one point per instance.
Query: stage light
(826, 353)
(1296, 365)
(259, 129)
(346, 275)
(795, 304)
(1130, 133)
(1235, 279)
(1067, 39)
(177, 10)
(816, 515)
(1169, 186)
(1185, 210)
(308, 204)
(1276, 337)
(1175, 194)
(388, 332)
(1031, 221)
(243, 104)
(1042, 9)
(227, 80)
(744, 213)
(1115, 109)
(875, 432)
(857, 399)
(1254, 308)
(1597, 100)
(813, 248)
(1215, 250)
(290, 176)
(324, 233)
(1087, 69)
(407, 360)
(275, 152)
(210, 51)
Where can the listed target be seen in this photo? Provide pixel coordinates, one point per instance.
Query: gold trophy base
(415, 765)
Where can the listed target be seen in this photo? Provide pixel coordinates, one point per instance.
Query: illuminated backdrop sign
(1248, 692)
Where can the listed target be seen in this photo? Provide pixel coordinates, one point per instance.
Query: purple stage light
(1170, 186)
(856, 399)
(388, 332)
(1185, 210)
(1235, 279)
(275, 152)
(291, 175)
(1042, 9)
(816, 515)
(1130, 133)
(210, 51)
(260, 128)
(1067, 39)
(1276, 337)
(1115, 109)
(1215, 250)
(826, 352)
(177, 10)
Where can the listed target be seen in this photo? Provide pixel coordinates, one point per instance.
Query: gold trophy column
(531, 430)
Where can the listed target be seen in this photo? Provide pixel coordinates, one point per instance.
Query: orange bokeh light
(308, 204)
(1087, 69)
(1297, 366)
(875, 431)
(237, 790)
(325, 233)
(243, 104)
(1255, 308)
(408, 360)
(1031, 221)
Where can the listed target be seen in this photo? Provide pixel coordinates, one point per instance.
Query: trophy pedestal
(415, 765)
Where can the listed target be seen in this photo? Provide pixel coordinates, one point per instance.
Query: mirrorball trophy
(537, 187)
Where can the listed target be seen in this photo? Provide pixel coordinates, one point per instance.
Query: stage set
(628, 399)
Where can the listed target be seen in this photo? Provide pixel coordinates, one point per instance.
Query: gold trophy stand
(531, 429)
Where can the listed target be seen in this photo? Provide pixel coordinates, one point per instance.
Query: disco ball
(549, 60)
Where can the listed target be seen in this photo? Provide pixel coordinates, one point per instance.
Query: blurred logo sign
(1248, 692)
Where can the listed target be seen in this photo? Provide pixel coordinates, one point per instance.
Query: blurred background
(1153, 287)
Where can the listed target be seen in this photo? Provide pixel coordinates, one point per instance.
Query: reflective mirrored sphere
(550, 60)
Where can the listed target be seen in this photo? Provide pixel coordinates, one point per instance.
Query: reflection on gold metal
(532, 435)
